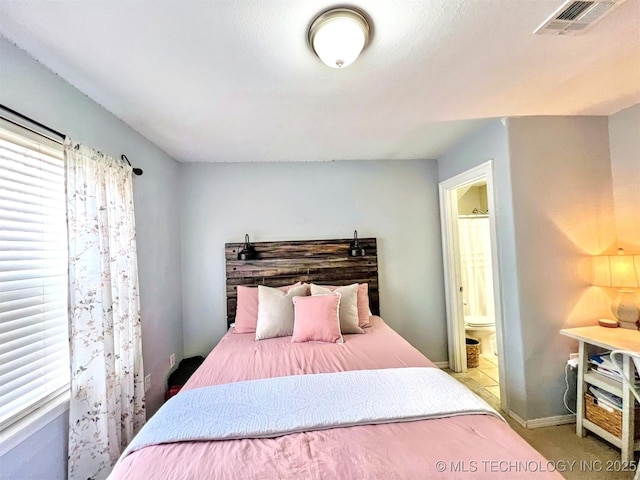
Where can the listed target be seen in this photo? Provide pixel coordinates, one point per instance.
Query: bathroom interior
(477, 282)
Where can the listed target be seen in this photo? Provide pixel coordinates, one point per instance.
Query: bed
(478, 444)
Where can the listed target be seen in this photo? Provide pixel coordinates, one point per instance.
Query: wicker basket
(609, 421)
(473, 352)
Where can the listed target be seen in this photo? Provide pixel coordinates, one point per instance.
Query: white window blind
(34, 339)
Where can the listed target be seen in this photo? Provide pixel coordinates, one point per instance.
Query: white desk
(608, 339)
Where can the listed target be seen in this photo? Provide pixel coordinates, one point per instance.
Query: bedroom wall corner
(563, 212)
(490, 142)
(31, 89)
(395, 201)
(624, 146)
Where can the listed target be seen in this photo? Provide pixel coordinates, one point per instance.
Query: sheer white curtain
(475, 262)
(107, 379)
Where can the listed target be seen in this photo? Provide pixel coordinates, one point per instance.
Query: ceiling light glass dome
(339, 35)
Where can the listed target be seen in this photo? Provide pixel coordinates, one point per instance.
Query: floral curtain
(107, 379)
(475, 264)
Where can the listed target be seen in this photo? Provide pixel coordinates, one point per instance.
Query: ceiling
(235, 80)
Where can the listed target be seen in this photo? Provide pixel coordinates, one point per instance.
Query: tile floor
(486, 374)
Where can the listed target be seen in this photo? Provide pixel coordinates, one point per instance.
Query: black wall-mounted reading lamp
(355, 249)
(248, 251)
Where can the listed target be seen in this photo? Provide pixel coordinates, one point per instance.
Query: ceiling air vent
(574, 17)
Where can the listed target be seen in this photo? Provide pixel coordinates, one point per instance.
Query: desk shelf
(591, 340)
(605, 383)
(602, 433)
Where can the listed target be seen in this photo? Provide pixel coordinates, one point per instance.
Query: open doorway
(470, 250)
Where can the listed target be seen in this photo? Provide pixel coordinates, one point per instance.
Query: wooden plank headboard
(312, 261)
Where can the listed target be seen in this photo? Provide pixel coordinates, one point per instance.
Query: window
(34, 339)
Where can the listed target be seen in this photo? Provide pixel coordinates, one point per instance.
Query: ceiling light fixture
(339, 35)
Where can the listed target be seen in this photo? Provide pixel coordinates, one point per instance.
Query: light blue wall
(42, 457)
(397, 202)
(554, 207)
(624, 145)
(563, 211)
(491, 142)
(29, 88)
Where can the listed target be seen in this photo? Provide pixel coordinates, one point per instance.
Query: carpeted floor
(589, 458)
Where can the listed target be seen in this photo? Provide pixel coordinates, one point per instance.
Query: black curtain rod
(137, 171)
(62, 136)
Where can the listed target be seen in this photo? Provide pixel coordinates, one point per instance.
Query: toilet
(482, 328)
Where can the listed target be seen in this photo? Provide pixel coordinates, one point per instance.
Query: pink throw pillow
(247, 308)
(316, 319)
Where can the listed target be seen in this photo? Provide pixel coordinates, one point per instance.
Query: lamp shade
(338, 36)
(617, 271)
(621, 272)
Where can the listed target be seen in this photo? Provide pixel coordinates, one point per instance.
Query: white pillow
(275, 311)
(348, 305)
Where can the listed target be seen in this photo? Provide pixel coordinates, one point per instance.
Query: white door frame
(452, 270)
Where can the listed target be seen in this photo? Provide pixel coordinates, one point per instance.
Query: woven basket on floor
(610, 421)
(473, 352)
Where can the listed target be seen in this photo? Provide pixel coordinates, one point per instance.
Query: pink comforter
(462, 447)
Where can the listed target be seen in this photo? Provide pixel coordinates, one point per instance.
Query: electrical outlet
(172, 360)
(147, 383)
(573, 360)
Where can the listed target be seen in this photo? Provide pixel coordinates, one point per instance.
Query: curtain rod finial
(137, 171)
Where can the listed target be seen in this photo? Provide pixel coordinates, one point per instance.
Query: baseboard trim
(543, 422)
(442, 364)
(518, 419)
(551, 421)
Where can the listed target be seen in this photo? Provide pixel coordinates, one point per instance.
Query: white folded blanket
(282, 405)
